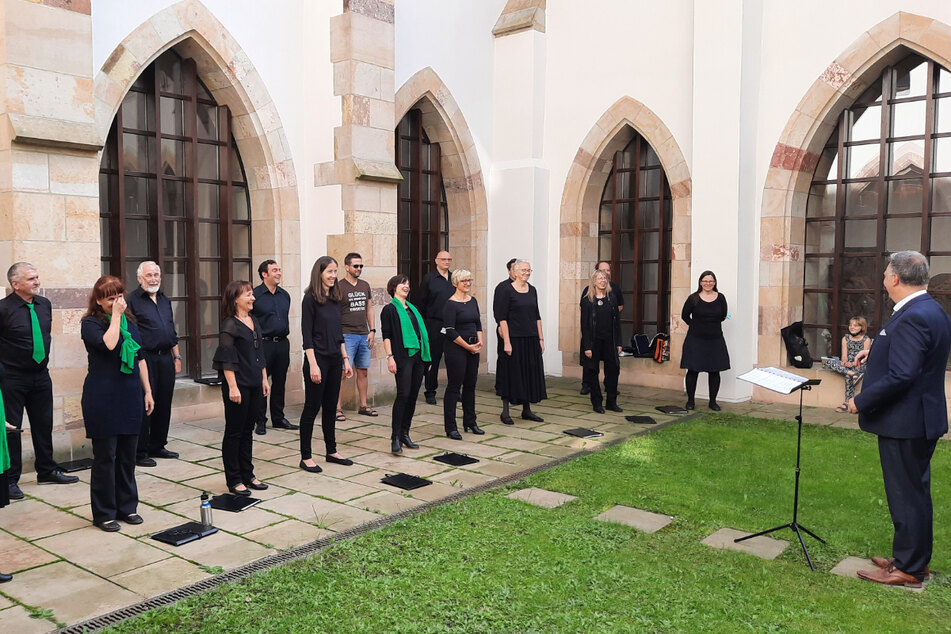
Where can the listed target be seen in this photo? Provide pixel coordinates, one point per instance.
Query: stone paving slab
(179, 470)
(318, 484)
(523, 459)
(4, 604)
(221, 549)
(387, 502)
(155, 520)
(287, 534)
(160, 577)
(465, 447)
(161, 492)
(33, 519)
(242, 522)
(493, 468)
(462, 479)
(16, 619)
(192, 451)
(322, 513)
(850, 566)
(197, 435)
(644, 521)
(19, 554)
(541, 497)
(105, 554)
(60, 495)
(762, 546)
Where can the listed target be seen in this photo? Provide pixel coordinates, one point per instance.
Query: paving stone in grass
(762, 546)
(541, 497)
(635, 518)
(850, 566)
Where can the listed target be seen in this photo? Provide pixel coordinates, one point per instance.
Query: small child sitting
(854, 342)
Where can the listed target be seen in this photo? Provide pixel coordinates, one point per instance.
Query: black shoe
(505, 418)
(111, 526)
(284, 424)
(454, 434)
(56, 477)
(133, 519)
(257, 486)
(395, 447)
(532, 416)
(430, 400)
(260, 428)
(585, 389)
(473, 428)
(315, 469)
(145, 462)
(5, 578)
(242, 492)
(344, 461)
(407, 442)
(714, 406)
(597, 408)
(613, 407)
(15, 492)
(689, 405)
(164, 453)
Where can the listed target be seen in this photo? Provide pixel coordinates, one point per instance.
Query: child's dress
(854, 347)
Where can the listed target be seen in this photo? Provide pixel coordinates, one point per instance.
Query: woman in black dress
(601, 341)
(240, 362)
(325, 361)
(114, 391)
(463, 327)
(520, 372)
(407, 356)
(705, 348)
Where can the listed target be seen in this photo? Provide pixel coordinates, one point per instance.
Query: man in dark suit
(903, 403)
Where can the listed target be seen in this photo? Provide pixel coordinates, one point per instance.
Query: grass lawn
(491, 564)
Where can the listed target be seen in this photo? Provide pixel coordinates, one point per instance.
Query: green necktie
(39, 350)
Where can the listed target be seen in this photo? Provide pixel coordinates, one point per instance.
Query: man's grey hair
(910, 267)
(139, 271)
(15, 272)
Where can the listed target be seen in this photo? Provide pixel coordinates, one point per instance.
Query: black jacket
(589, 326)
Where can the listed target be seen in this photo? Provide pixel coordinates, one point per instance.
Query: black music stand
(798, 528)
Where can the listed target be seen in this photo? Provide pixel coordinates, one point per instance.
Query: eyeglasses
(529, 271)
(357, 266)
(465, 281)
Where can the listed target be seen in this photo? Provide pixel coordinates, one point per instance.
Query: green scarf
(129, 347)
(410, 341)
(4, 452)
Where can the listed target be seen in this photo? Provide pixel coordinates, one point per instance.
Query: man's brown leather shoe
(891, 576)
(883, 562)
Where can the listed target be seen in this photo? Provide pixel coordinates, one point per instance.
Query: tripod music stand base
(795, 528)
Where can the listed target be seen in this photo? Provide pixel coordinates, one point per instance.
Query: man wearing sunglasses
(359, 331)
(271, 307)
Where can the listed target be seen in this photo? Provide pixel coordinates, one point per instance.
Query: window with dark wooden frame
(173, 190)
(634, 235)
(882, 184)
(422, 215)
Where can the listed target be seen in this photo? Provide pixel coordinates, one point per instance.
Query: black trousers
(112, 489)
(277, 355)
(154, 434)
(462, 371)
(409, 377)
(436, 341)
(602, 350)
(32, 391)
(319, 396)
(906, 470)
(239, 424)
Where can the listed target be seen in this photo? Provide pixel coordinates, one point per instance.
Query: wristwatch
(373, 330)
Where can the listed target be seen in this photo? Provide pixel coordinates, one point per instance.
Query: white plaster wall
(289, 45)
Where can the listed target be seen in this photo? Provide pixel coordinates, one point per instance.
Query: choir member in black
(406, 343)
(434, 289)
(705, 348)
(114, 393)
(5, 428)
(520, 371)
(600, 340)
(271, 307)
(605, 267)
(153, 316)
(239, 360)
(496, 295)
(463, 344)
(26, 319)
(325, 361)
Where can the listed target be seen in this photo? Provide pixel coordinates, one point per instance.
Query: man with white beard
(153, 313)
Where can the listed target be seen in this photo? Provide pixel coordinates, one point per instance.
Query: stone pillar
(519, 215)
(49, 178)
(362, 49)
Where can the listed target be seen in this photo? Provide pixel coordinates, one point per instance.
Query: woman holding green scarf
(114, 392)
(407, 356)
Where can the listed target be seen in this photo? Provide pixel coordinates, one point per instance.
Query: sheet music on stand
(774, 379)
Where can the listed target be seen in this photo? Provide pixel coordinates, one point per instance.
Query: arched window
(173, 190)
(422, 216)
(882, 184)
(634, 232)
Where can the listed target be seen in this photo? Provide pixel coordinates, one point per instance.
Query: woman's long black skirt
(520, 378)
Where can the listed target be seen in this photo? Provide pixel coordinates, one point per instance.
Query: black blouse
(520, 310)
(391, 329)
(321, 327)
(704, 318)
(240, 350)
(461, 319)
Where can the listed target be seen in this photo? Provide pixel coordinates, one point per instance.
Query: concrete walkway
(67, 571)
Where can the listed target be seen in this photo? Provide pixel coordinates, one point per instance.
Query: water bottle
(205, 509)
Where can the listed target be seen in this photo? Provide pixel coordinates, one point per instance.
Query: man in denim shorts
(356, 316)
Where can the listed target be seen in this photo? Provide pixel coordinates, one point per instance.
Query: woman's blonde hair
(594, 277)
(460, 274)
